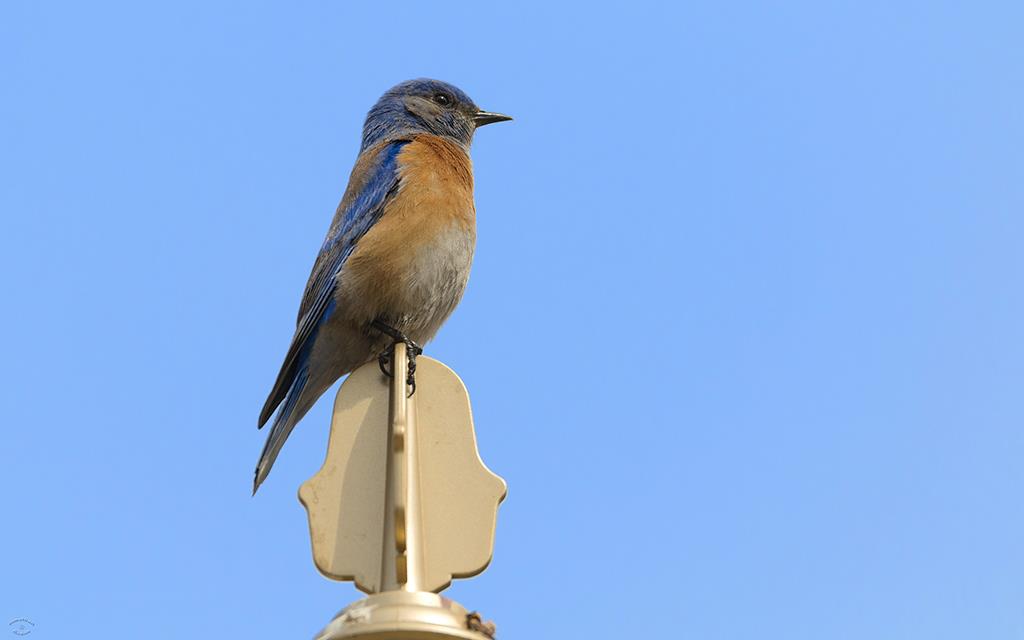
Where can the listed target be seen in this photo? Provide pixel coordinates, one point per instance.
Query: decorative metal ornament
(403, 503)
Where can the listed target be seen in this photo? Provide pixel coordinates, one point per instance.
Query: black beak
(486, 117)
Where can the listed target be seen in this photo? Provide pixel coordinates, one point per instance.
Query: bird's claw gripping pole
(412, 350)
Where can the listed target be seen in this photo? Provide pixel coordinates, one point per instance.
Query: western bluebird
(397, 255)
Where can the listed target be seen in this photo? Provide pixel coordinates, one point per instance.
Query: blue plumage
(392, 117)
(356, 219)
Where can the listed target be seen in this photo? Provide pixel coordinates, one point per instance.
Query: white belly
(416, 293)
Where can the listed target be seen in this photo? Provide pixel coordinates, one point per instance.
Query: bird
(397, 255)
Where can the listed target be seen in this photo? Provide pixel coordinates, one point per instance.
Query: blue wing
(374, 179)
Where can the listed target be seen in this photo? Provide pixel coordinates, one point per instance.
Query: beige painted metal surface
(403, 500)
(404, 615)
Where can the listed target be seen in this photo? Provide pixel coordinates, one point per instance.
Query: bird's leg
(412, 350)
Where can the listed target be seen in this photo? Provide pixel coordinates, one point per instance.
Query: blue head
(425, 106)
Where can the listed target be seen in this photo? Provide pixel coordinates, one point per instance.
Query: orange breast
(428, 229)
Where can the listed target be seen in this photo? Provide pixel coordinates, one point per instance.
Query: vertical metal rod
(413, 508)
(403, 551)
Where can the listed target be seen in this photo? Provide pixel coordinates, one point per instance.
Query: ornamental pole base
(406, 615)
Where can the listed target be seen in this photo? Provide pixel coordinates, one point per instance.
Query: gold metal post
(403, 521)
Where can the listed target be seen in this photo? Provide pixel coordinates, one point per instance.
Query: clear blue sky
(745, 331)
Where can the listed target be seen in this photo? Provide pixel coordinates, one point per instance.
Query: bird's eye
(442, 99)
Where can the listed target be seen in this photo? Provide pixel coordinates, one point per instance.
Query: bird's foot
(412, 350)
